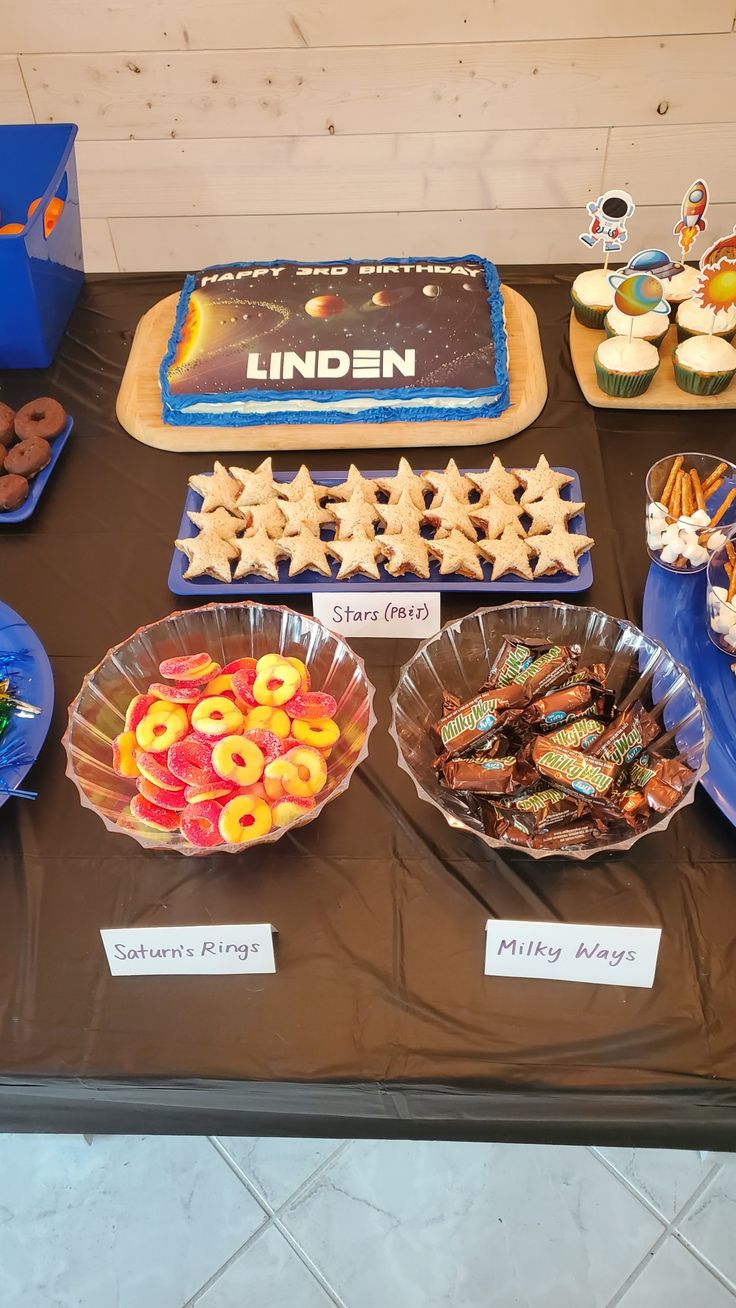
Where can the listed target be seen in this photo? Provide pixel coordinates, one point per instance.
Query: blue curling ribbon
(11, 662)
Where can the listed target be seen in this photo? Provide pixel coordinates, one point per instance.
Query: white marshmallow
(690, 548)
(670, 553)
(715, 541)
(699, 556)
(654, 539)
(656, 510)
(720, 625)
(685, 520)
(671, 535)
(720, 592)
(700, 518)
(730, 640)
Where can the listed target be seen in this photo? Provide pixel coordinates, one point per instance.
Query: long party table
(379, 1020)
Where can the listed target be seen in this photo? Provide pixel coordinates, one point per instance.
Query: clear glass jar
(721, 613)
(684, 544)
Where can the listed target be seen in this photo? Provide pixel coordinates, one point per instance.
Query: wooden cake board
(139, 400)
(662, 393)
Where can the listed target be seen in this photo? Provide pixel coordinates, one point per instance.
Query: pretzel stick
(725, 505)
(697, 489)
(680, 561)
(731, 552)
(688, 502)
(711, 490)
(731, 587)
(670, 483)
(675, 505)
(714, 475)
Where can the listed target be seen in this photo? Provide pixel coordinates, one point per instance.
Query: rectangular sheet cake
(350, 341)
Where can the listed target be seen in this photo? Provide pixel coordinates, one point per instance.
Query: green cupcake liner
(652, 340)
(587, 314)
(697, 383)
(624, 385)
(683, 334)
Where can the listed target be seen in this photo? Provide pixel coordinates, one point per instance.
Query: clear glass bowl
(721, 614)
(694, 538)
(228, 631)
(458, 657)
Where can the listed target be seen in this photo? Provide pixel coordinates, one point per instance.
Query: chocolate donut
(7, 424)
(13, 492)
(44, 418)
(28, 457)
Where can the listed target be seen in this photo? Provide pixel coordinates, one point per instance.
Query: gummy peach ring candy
(302, 771)
(320, 732)
(200, 823)
(285, 811)
(269, 719)
(162, 727)
(237, 759)
(137, 710)
(216, 716)
(191, 761)
(173, 799)
(187, 667)
(124, 760)
(188, 693)
(277, 684)
(153, 815)
(312, 704)
(244, 818)
(155, 770)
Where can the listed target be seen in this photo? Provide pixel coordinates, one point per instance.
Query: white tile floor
(167, 1222)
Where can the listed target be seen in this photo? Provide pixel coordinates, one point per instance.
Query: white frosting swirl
(593, 288)
(647, 324)
(618, 354)
(706, 354)
(695, 318)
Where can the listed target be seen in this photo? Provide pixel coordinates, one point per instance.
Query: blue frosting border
(498, 396)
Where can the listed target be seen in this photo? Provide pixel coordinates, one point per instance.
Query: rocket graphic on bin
(692, 215)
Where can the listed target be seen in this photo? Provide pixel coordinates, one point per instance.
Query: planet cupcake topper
(692, 215)
(636, 294)
(609, 214)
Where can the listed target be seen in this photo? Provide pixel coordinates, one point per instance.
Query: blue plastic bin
(40, 275)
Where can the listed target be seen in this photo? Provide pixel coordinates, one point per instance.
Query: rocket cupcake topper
(692, 215)
(608, 221)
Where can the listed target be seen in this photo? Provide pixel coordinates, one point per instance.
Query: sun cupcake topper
(716, 288)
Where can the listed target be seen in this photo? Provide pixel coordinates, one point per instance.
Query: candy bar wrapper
(450, 702)
(481, 774)
(564, 705)
(572, 771)
(661, 780)
(548, 671)
(626, 737)
(581, 733)
(465, 727)
(567, 835)
(514, 656)
(597, 672)
(541, 809)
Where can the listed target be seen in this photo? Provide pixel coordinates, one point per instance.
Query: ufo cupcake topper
(608, 221)
(692, 215)
(655, 263)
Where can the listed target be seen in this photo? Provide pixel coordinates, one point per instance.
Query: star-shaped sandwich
(257, 487)
(536, 481)
(300, 486)
(401, 515)
(497, 481)
(355, 514)
(268, 516)
(558, 551)
(497, 514)
(404, 482)
(218, 489)
(509, 554)
(552, 511)
(355, 482)
(258, 554)
(450, 482)
(406, 551)
(209, 555)
(306, 512)
(306, 553)
(457, 553)
(225, 525)
(450, 514)
(358, 554)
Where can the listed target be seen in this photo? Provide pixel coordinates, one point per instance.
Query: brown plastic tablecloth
(379, 1020)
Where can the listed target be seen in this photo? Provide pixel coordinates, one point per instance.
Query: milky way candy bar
(467, 726)
(626, 737)
(581, 733)
(548, 671)
(573, 771)
(661, 780)
(481, 774)
(596, 672)
(544, 808)
(514, 656)
(561, 706)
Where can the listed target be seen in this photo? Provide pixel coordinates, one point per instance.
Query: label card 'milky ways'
(411, 614)
(189, 950)
(556, 951)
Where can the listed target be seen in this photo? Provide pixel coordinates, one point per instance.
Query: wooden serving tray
(139, 401)
(662, 393)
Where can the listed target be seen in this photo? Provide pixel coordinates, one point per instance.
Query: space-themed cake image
(350, 341)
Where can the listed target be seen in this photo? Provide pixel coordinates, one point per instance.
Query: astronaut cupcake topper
(609, 214)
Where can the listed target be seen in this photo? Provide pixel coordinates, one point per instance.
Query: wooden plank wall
(224, 129)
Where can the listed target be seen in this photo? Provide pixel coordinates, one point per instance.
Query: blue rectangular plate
(558, 583)
(38, 483)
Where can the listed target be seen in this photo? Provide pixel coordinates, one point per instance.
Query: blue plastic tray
(558, 583)
(34, 684)
(38, 483)
(675, 614)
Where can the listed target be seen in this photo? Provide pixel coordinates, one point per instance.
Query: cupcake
(704, 365)
(679, 288)
(592, 297)
(695, 320)
(625, 368)
(651, 327)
